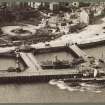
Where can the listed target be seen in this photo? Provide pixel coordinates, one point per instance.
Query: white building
(34, 4)
(84, 17)
(53, 5)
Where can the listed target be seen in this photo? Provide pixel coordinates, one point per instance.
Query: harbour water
(44, 92)
(54, 91)
(51, 56)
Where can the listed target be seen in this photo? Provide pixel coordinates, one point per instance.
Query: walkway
(78, 51)
(30, 61)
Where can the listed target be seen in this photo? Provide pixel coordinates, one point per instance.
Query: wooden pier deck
(34, 60)
(78, 51)
(46, 75)
(36, 75)
(30, 61)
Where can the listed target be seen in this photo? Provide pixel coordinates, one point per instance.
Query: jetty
(30, 61)
(76, 50)
(69, 75)
(33, 75)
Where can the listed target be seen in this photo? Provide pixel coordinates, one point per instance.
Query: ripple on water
(81, 87)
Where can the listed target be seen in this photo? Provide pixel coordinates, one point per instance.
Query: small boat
(13, 69)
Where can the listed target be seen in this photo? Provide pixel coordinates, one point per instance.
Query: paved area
(89, 34)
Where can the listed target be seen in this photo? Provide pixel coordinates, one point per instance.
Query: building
(54, 6)
(84, 17)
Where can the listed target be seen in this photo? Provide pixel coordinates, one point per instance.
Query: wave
(82, 87)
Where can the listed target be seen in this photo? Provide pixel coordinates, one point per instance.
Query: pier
(76, 50)
(46, 75)
(30, 61)
(37, 76)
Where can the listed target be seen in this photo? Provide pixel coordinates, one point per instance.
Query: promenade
(90, 34)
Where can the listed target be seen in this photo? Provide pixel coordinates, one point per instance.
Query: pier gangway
(33, 59)
(78, 51)
(30, 61)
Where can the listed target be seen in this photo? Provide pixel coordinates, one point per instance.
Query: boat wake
(61, 85)
(82, 87)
